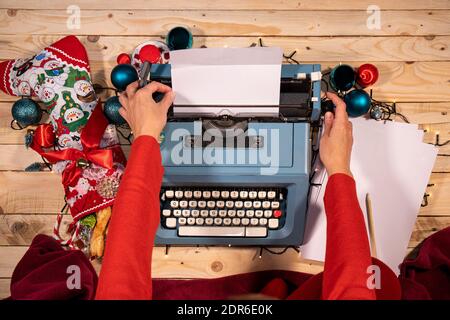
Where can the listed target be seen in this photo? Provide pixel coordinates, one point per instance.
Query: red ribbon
(90, 140)
(44, 135)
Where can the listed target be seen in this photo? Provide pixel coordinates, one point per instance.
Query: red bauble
(367, 75)
(150, 53)
(123, 58)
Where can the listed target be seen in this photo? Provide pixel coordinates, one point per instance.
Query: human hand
(336, 142)
(145, 116)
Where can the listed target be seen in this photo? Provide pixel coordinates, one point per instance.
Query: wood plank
(413, 108)
(19, 230)
(229, 4)
(399, 81)
(4, 288)
(42, 193)
(193, 262)
(5, 282)
(30, 192)
(426, 226)
(10, 257)
(17, 157)
(309, 49)
(425, 114)
(430, 117)
(212, 262)
(444, 135)
(442, 164)
(439, 200)
(236, 23)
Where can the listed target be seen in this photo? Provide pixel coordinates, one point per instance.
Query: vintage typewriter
(238, 203)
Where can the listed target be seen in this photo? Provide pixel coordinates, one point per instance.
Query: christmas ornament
(376, 112)
(150, 53)
(123, 58)
(358, 102)
(107, 187)
(36, 167)
(122, 75)
(26, 112)
(111, 111)
(137, 59)
(366, 75)
(87, 147)
(179, 38)
(342, 78)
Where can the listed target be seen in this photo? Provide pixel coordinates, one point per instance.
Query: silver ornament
(376, 113)
(107, 187)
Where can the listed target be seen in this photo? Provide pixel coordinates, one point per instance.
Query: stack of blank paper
(392, 164)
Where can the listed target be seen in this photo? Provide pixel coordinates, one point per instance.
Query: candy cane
(74, 233)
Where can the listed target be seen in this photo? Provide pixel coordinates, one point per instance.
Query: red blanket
(426, 275)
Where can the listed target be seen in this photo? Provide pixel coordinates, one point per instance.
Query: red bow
(90, 140)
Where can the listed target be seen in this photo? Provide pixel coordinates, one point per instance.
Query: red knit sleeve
(126, 267)
(347, 250)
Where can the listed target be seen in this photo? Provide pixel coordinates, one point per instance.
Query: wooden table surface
(411, 50)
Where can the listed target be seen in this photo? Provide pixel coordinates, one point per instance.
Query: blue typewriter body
(290, 176)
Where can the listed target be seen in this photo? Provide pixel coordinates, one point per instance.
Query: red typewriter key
(277, 213)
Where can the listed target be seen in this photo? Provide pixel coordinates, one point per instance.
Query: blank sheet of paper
(393, 165)
(227, 76)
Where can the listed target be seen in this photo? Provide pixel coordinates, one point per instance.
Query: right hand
(336, 143)
(145, 116)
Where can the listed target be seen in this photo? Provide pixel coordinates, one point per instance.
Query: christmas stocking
(79, 142)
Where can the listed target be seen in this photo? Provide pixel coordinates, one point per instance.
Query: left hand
(144, 115)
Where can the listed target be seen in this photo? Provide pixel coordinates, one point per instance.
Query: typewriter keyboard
(223, 212)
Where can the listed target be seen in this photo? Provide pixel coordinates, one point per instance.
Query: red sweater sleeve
(126, 267)
(347, 250)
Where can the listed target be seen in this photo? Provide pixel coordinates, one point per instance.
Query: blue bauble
(179, 38)
(358, 102)
(122, 75)
(26, 112)
(342, 77)
(111, 111)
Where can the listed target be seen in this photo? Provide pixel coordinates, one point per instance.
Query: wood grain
(19, 230)
(42, 193)
(4, 288)
(309, 49)
(426, 226)
(399, 81)
(425, 114)
(411, 51)
(17, 158)
(193, 262)
(230, 23)
(175, 266)
(229, 5)
(30, 192)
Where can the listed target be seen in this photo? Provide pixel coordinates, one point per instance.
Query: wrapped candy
(82, 146)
